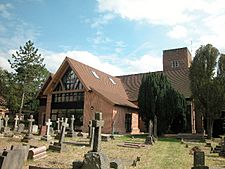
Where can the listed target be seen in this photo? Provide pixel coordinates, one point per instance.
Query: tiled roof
(113, 92)
(109, 87)
(179, 80)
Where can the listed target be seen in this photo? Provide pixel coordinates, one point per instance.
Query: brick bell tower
(174, 59)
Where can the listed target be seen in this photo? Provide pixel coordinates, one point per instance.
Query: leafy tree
(207, 89)
(30, 72)
(221, 66)
(157, 100)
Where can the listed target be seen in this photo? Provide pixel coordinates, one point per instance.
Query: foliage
(30, 73)
(157, 98)
(207, 88)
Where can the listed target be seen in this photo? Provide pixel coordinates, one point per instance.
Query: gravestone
(47, 137)
(16, 123)
(95, 159)
(43, 130)
(35, 129)
(1, 124)
(149, 138)
(61, 122)
(37, 153)
(6, 128)
(12, 159)
(89, 129)
(58, 125)
(222, 151)
(29, 135)
(199, 160)
(60, 147)
(97, 124)
(21, 127)
(71, 132)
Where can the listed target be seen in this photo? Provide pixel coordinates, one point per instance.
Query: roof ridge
(89, 66)
(135, 74)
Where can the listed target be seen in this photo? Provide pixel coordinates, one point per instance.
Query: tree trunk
(209, 128)
(21, 106)
(155, 126)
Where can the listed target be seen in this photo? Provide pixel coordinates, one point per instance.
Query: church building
(80, 90)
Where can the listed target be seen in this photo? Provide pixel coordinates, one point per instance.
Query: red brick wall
(99, 105)
(182, 55)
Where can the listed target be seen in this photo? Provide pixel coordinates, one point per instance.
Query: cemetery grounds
(166, 153)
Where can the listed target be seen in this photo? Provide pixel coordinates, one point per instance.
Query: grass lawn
(167, 153)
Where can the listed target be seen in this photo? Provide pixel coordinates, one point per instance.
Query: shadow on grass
(169, 140)
(143, 136)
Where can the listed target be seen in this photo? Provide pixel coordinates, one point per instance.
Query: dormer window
(175, 64)
(95, 75)
(113, 82)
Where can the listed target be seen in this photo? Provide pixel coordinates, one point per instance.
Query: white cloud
(144, 63)
(178, 32)
(4, 62)
(53, 61)
(202, 21)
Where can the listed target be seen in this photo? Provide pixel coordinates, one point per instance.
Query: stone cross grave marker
(63, 130)
(31, 120)
(6, 120)
(71, 132)
(48, 124)
(199, 160)
(58, 125)
(97, 124)
(61, 122)
(72, 123)
(6, 128)
(16, 123)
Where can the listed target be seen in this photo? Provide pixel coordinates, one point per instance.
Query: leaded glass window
(69, 81)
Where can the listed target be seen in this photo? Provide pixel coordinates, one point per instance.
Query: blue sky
(115, 36)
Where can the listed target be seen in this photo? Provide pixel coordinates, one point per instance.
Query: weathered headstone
(29, 135)
(71, 132)
(149, 138)
(21, 127)
(37, 153)
(222, 151)
(35, 129)
(47, 137)
(12, 159)
(6, 128)
(43, 130)
(97, 124)
(16, 123)
(95, 159)
(60, 147)
(199, 160)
